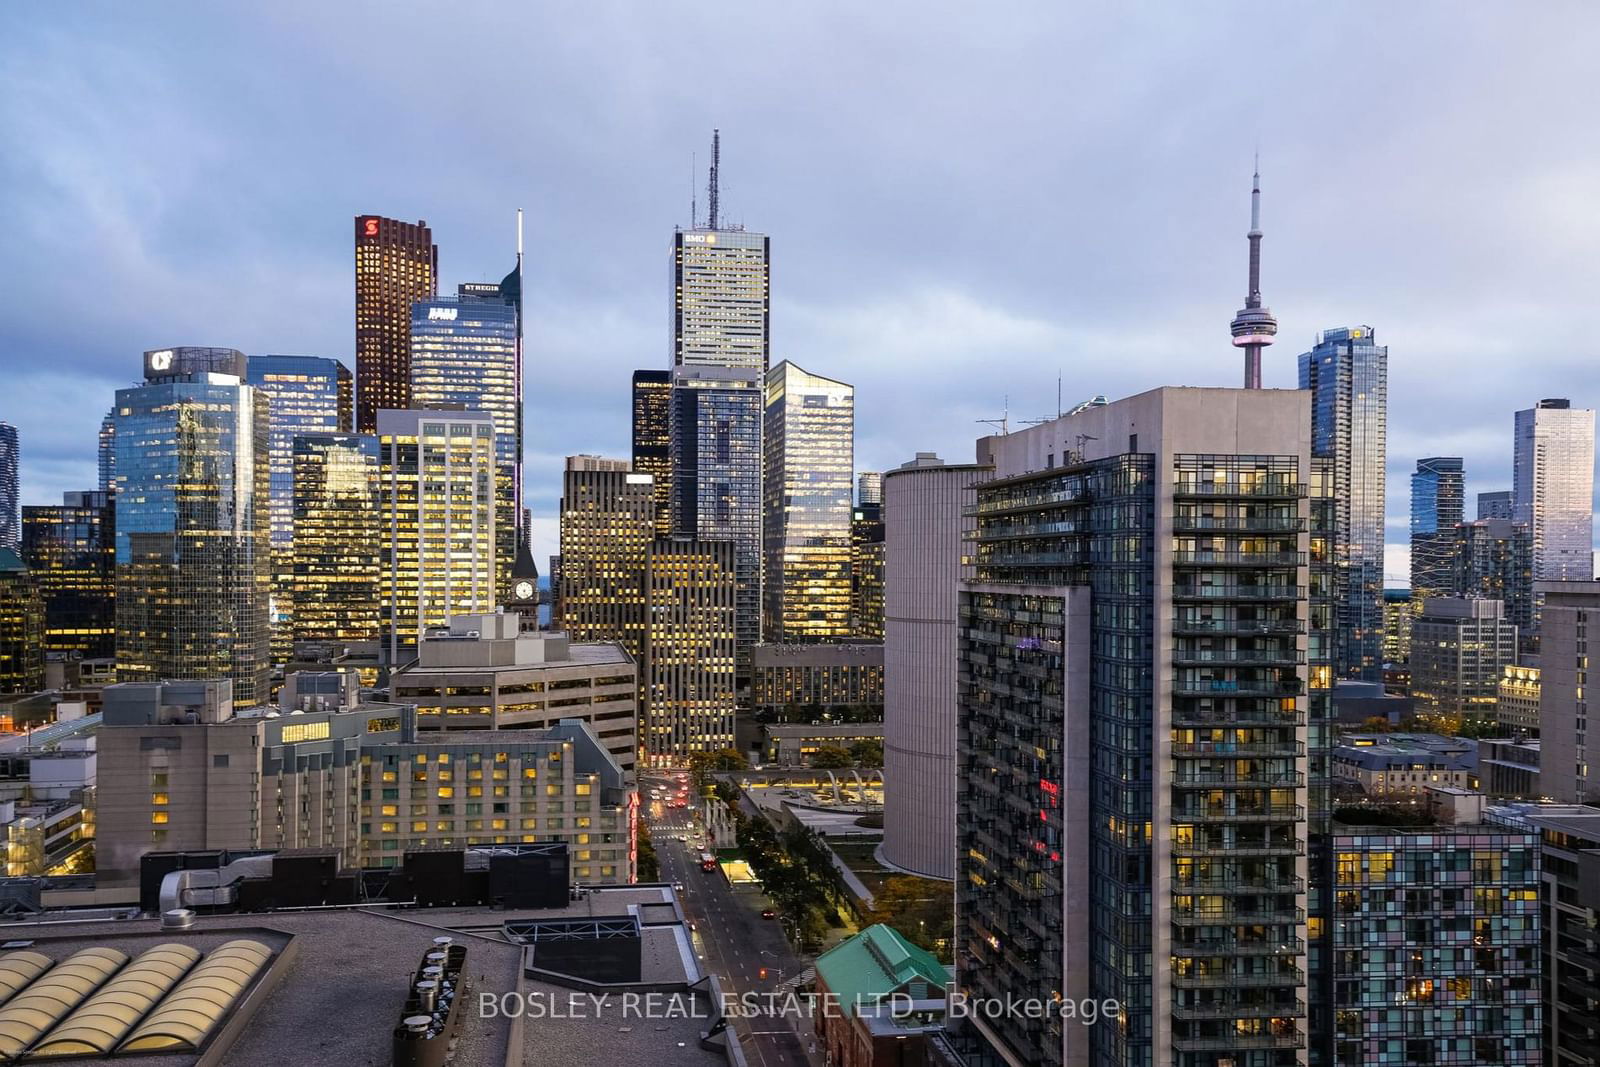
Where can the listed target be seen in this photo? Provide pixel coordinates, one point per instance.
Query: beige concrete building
(181, 771)
(1566, 774)
(810, 677)
(483, 673)
(1517, 703)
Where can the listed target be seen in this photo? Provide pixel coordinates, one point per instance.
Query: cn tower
(1254, 327)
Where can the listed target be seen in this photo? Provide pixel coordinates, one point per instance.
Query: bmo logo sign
(447, 314)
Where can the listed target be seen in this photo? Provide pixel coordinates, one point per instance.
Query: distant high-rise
(689, 673)
(808, 444)
(21, 626)
(1495, 505)
(869, 487)
(1493, 560)
(336, 589)
(464, 357)
(107, 444)
(397, 264)
(1459, 649)
(71, 549)
(1253, 326)
(10, 487)
(1567, 774)
(1553, 488)
(1438, 497)
(438, 507)
(193, 556)
(1348, 375)
(305, 394)
(652, 438)
(555, 580)
(607, 524)
(716, 424)
(720, 278)
(868, 553)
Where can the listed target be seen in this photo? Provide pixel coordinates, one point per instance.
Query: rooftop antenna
(694, 204)
(1003, 422)
(711, 186)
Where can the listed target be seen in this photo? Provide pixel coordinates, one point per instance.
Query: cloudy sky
(964, 199)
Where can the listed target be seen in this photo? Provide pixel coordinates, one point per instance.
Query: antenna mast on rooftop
(711, 186)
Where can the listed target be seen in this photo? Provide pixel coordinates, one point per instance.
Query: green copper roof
(10, 561)
(875, 963)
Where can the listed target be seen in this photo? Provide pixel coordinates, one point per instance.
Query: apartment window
(158, 818)
(158, 798)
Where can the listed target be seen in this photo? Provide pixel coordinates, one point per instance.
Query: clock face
(523, 590)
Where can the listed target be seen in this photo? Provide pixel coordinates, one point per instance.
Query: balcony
(1248, 687)
(1292, 1010)
(1195, 625)
(1231, 749)
(1266, 813)
(1185, 557)
(1234, 885)
(1192, 779)
(1289, 946)
(1268, 488)
(1242, 1042)
(1009, 531)
(1239, 523)
(1261, 713)
(1225, 917)
(1238, 592)
(1268, 657)
(1294, 976)
(1207, 850)
(1032, 559)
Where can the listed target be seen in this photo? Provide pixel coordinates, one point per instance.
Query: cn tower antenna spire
(1253, 326)
(711, 186)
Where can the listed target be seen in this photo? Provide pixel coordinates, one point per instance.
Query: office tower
(397, 264)
(688, 675)
(193, 557)
(607, 524)
(22, 623)
(1493, 560)
(1347, 373)
(1131, 747)
(1496, 505)
(305, 395)
(720, 278)
(71, 549)
(928, 519)
(437, 505)
(869, 488)
(555, 592)
(1253, 326)
(834, 682)
(10, 487)
(485, 673)
(716, 480)
(1398, 612)
(867, 556)
(1553, 488)
(107, 445)
(808, 462)
(1516, 706)
(652, 438)
(335, 574)
(1438, 494)
(1462, 986)
(1566, 773)
(1458, 650)
(464, 356)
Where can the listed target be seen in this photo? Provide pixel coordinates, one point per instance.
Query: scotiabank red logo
(372, 228)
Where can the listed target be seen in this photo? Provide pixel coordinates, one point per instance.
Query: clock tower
(524, 595)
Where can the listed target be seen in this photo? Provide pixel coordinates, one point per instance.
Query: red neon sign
(372, 227)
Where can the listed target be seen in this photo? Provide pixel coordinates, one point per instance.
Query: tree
(867, 752)
(649, 864)
(831, 758)
(702, 764)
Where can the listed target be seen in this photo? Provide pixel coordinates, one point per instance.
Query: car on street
(769, 913)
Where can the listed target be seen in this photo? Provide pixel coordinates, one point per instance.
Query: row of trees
(797, 872)
(864, 753)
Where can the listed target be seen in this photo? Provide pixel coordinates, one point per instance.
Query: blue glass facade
(1347, 373)
(1438, 504)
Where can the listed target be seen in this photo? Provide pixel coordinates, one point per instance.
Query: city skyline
(1117, 274)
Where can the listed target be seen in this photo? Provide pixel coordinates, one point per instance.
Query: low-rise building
(1404, 765)
(807, 679)
(483, 672)
(879, 998)
(794, 744)
(1517, 704)
(1509, 768)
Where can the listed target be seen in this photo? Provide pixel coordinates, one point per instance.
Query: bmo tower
(397, 264)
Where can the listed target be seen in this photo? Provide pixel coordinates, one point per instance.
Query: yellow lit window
(158, 817)
(158, 798)
(446, 792)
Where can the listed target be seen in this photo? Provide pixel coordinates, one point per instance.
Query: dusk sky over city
(963, 201)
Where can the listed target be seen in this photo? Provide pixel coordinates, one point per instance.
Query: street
(731, 938)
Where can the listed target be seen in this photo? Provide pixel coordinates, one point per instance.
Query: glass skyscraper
(21, 626)
(720, 292)
(808, 443)
(1438, 499)
(397, 264)
(1348, 374)
(464, 356)
(716, 422)
(10, 487)
(689, 673)
(107, 447)
(437, 513)
(193, 561)
(305, 394)
(338, 533)
(607, 524)
(652, 438)
(71, 549)
(1552, 488)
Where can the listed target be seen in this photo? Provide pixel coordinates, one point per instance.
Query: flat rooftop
(597, 653)
(335, 985)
